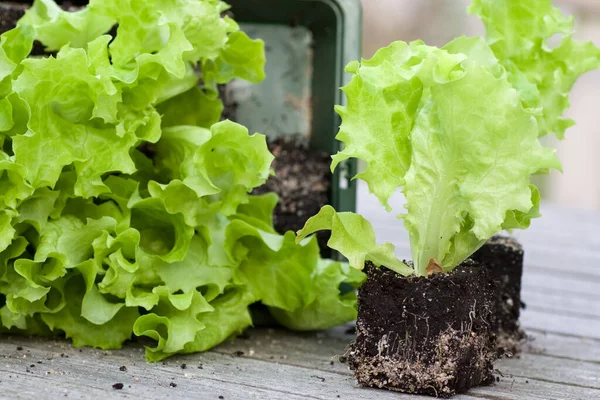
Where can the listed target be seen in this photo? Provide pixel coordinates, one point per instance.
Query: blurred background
(436, 22)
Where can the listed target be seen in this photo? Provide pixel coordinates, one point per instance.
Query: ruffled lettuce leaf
(330, 306)
(448, 127)
(520, 34)
(56, 27)
(125, 206)
(353, 236)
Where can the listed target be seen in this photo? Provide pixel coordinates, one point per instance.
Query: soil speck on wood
(118, 386)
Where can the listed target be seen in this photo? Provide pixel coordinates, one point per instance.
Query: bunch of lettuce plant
(457, 129)
(124, 202)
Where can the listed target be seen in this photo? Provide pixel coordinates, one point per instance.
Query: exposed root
(461, 360)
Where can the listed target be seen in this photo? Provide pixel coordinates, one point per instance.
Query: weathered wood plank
(274, 365)
(549, 321)
(573, 261)
(518, 388)
(568, 347)
(221, 375)
(321, 349)
(559, 303)
(567, 286)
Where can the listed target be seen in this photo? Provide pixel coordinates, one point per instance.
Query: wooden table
(561, 287)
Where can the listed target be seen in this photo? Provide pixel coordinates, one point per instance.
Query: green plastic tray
(307, 43)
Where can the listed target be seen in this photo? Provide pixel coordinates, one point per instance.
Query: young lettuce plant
(457, 130)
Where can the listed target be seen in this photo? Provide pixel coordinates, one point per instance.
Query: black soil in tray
(302, 180)
(503, 256)
(425, 335)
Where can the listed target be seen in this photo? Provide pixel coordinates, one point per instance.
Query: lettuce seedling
(457, 129)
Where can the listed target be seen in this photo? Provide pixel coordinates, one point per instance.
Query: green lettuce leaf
(330, 307)
(193, 108)
(520, 34)
(273, 268)
(122, 194)
(416, 115)
(173, 323)
(109, 335)
(353, 236)
(56, 27)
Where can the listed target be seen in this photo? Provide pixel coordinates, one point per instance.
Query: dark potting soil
(10, 14)
(302, 180)
(424, 335)
(12, 11)
(503, 256)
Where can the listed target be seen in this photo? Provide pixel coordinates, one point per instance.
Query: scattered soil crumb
(122, 368)
(173, 384)
(183, 366)
(118, 386)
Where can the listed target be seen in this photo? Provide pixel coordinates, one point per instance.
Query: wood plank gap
(544, 289)
(569, 335)
(561, 272)
(563, 313)
(49, 378)
(488, 396)
(265, 388)
(283, 362)
(544, 354)
(546, 332)
(557, 382)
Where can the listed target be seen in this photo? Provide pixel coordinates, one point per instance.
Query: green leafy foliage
(124, 203)
(457, 130)
(543, 73)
